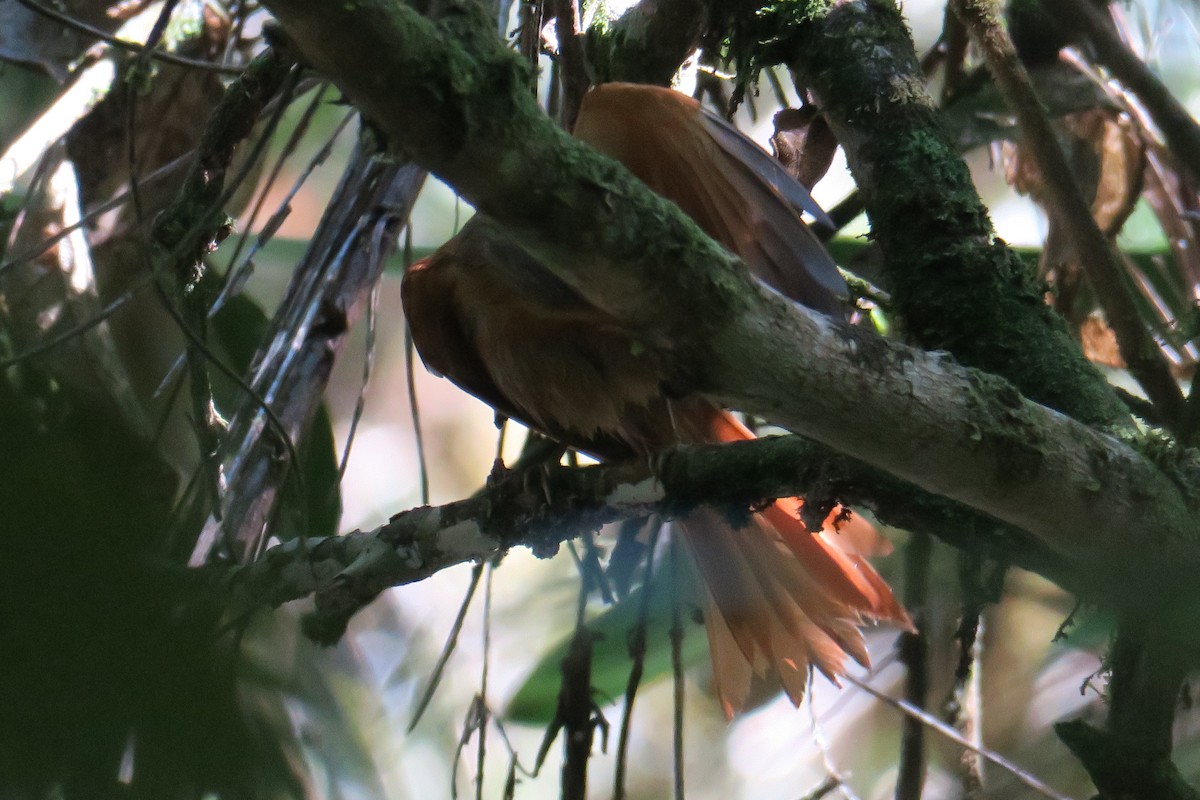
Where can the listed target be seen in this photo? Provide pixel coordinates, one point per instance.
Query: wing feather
(734, 190)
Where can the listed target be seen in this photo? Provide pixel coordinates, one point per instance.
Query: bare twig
(676, 672)
(435, 676)
(1178, 127)
(935, 724)
(572, 62)
(827, 787)
(836, 779)
(410, 381)
(964, 709)
(238, 267)
(134, 47)
(481, 747)
(637, 653)
(954, 40)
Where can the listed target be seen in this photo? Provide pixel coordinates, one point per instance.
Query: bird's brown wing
(428, 295)
(765, 167)
(737, 193)
(491, 318)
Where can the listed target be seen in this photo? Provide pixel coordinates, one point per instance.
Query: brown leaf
(1100, 342)
(1107, 159)
(1121, 160)
(804, 144)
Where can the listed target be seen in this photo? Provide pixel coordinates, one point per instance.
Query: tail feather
(780, 597)
(727, 565)
(786, 650)
(732, 671)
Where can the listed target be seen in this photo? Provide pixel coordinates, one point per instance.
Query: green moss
(1006, 425)
(1180, 464)
(953, 286)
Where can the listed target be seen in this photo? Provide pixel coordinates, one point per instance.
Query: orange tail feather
(781, 597)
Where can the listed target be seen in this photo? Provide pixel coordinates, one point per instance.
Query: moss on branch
(955, 286)
(648, 43)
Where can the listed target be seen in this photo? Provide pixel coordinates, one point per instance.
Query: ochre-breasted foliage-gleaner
(491, 318)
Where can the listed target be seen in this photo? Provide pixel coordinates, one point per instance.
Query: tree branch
(648, 43)
(344, 259)
(572, 61)
(955, 288)
(540, 506)
(1131, 757)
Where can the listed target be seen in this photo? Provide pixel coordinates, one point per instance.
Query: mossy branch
(539, 507)
(648, 43)
(956, 287)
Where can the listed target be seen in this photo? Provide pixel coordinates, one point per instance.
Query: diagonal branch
(955, 287)
(1180, 130)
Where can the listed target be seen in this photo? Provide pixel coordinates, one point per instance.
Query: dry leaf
(804, 144)
(1100, 342)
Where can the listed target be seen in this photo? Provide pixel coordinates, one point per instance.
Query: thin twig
(451, 643)
(964, 709)
(935, 724)
(360, 402)
(236, 265)
(677, 633)
(637, 652)
(827, 787)
(168, 170)
(913, 654)
(481, 750)
(822, 742)
(572, 61)
(1178, 127)
(134, 47)
(414, 408)
(954, 41)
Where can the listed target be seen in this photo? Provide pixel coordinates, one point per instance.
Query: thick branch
(538, 511)
(953, 287)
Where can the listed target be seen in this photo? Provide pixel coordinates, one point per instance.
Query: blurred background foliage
(120, 675)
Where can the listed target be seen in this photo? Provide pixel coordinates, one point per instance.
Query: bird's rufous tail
(782, 598)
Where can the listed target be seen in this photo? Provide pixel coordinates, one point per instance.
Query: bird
(778, 598)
